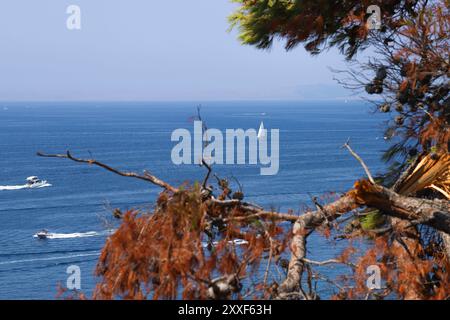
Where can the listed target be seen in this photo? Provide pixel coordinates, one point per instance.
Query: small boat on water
(43, 234)
(35, 182)
(32, 182)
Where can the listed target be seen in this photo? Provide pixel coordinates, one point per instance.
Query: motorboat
(32, 182)
(35, 182)
(43, 234)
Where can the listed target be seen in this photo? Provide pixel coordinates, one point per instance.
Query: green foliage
(373, 220)
(311, 22)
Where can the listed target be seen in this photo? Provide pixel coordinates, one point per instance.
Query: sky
(148, 50)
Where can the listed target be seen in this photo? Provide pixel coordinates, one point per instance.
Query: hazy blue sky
(146, 50)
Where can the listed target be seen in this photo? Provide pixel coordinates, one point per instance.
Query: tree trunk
(446, 244)
(434, 213)
(301, 230)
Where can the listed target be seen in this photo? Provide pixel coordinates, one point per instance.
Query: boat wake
(70, 256)
(83, 255)
(25, 186)
(76, 235)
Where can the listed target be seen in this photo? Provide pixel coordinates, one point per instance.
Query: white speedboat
(32, 182)
(35, 182)
(43, 234)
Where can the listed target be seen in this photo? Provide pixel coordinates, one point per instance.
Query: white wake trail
(51, 258)
(76, 234)
(25, 186)
(9, 188)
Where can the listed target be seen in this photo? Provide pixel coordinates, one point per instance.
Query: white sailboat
(261, 131)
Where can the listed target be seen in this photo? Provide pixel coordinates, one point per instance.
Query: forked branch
(146, 176)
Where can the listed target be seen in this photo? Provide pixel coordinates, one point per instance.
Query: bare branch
(327, 262)
(434, 213)
(265, 215)
(361, 161)
(146, 177)
(303, 227)
(205, 181)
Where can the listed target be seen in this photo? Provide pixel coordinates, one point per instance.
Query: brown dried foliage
(168, 254)
(425, 272)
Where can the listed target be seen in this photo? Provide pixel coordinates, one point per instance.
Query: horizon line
(198, 101)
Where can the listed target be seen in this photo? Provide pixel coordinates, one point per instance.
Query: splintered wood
(432, 172)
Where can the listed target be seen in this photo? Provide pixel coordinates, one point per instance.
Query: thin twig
(208, 167)
(327, 262)
(269, 261)
(264, 215)
(361, 161)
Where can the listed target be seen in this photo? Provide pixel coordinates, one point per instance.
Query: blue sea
(137, 136)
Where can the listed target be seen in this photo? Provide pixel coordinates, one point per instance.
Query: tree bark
(446, 244)
(303, 227)
(434, 213)
(406, 212)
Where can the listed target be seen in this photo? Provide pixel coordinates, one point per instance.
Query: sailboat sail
(262, 131)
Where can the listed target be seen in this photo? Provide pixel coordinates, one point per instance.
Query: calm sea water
(136, 136)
